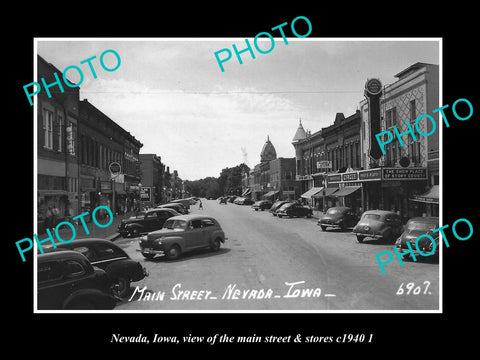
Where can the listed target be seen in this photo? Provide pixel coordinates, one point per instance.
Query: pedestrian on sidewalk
(200, 205)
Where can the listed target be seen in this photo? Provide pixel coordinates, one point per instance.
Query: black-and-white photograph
(269, 174)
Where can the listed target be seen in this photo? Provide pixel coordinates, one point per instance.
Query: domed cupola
(268, 152)
(300, 134)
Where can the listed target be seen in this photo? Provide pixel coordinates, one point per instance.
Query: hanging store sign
(145, 193)
(404, 173)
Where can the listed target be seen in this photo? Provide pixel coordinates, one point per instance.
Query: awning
(270, 193)
(347, 190)
(311, 192)
(246, 192)
(328, 192)
(430, 197)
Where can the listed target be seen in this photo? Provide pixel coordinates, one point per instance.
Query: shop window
(48, 129)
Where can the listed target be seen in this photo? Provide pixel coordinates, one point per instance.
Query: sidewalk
(108, 233)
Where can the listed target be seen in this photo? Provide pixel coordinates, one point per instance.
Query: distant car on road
(262, 205)
(243, 201)
(415, 227)
(67, 281)
(223, 200)
(293, 209)
(276, 205)
(181, 234)
(152, 220)
(338, 217)
(378, 224)
(231, 198)
(110, 257)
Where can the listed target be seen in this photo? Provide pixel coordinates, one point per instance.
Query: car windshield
(420, 225)
(332, 211)
(372, 216)
(175, 224)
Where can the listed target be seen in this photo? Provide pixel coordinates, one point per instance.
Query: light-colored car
(181, 234)
(378, 224)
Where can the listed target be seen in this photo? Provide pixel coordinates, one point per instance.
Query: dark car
(178, 207)
(108, 256)
(415, 227)
(276, 205)
(67, 281)
(181, 234)
(152, 220)
(293, 209)
(262, 205)
(338, 217)
(232, 198)
(378, 224)
(223, 200)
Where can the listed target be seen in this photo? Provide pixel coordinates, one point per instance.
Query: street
(276, 264)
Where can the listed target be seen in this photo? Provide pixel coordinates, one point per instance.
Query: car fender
(127, 267)
(100, 299)
(172, 240)
(217, 234)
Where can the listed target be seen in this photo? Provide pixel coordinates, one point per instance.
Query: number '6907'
(410, 288)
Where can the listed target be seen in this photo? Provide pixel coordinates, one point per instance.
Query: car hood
(164, 232)
(411, 235)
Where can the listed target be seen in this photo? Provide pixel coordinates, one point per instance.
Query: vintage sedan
(378, 224)
(67, 281)
(262, 205)
(181, 234)
(276, 205)
(151, 220)
(338, 217)
(178, 207)
(108, 256)
(293, 209)
(223, 200)
(415, 227)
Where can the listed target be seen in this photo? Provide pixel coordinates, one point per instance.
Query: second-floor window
(48, 129)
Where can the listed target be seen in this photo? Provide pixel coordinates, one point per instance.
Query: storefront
(385, 188)
(429, 201)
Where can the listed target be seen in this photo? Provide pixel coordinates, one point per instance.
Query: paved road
(280, 258)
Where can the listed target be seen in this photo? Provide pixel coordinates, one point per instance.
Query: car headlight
(398, 242)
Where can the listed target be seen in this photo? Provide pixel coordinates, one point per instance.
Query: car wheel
(215, 246)
(122, 286)
(173, 253)
(279, 216)
(342, 226)
(360, 238)
(135, 232)
(256, 209)
(323, 227)
(148, 256)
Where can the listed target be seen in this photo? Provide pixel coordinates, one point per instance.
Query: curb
(113, 237)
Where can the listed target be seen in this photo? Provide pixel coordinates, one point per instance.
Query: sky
(172, 96)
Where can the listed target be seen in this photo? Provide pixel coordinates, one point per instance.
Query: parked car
(276, 205)
(152, 220)
(232, 199)
(415, 227)
(110, 257)
(293, 209)
(378, 224)
(262, 205)
(181, 234)
(67, 281)
(184, 202)
(223, 200)
(338, 217)
(178, 207)
(243, 201)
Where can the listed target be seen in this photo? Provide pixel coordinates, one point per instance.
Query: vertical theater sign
(373, 92)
